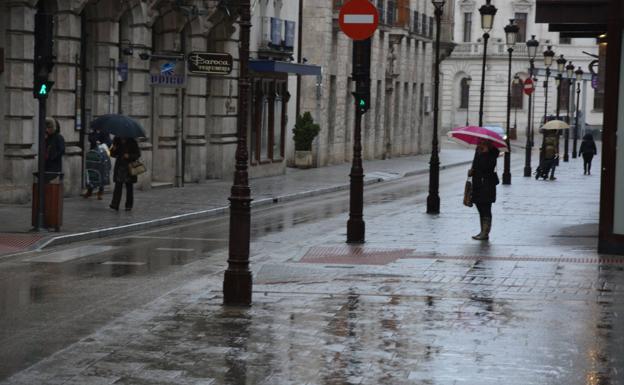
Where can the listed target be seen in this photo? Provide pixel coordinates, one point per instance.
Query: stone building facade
(109, 55)
(461, 103)
(399, 121)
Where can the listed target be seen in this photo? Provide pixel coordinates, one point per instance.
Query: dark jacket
(54, 151)
(588, 147)
(99, 136)
(484, 178)
(121, 173)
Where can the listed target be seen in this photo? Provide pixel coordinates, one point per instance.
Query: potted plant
(304, 132)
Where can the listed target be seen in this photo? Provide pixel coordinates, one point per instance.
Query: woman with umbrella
(125, 150)
(483, 171)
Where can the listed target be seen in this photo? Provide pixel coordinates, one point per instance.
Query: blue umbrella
(119, 125)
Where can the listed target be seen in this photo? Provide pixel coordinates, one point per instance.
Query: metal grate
(11, 243)
(354, 255)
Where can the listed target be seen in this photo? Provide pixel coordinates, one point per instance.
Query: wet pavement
(90, 219)
(418, 303)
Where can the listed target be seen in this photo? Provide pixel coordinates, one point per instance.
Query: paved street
(419, 303)
(89, 218)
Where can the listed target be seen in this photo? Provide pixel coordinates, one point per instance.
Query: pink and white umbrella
(472, 135)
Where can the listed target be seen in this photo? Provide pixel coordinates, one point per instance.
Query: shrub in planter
(304, 132)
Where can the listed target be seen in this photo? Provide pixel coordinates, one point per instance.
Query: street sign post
(210, 63)
(529, 86)
(359, 19)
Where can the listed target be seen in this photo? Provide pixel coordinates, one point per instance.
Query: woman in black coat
(588, 150)
(484, 181)
(126, 151)
(54, 149)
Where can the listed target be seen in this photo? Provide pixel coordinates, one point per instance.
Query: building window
(517, 95)
(268, 117)
(380, 10)
(564, 95)
(564, 40)
(430, 26)
(416, 22)
(467, 27)
(390, 12)
(521, 22)
(423, 26)
(464, 93)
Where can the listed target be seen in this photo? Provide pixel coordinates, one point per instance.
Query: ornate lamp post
(433, 200)
(487, 11)
(558, 81)
(532, 46)
(468, 83)
(237, 282)
(511, 33)
(570, 76)
(549, 54)
(579, 78)
(515, 82)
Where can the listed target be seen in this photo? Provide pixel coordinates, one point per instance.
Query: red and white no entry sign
(529, 87)
(359, 19)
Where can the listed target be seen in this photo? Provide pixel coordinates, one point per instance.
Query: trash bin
(53, 200)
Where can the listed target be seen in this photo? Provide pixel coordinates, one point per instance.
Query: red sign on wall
(359, 19)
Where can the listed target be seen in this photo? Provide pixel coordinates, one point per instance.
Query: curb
(204, 214)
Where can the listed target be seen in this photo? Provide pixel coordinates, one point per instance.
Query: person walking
(98, 137)
(125, 151)
(588, 150)
(484, 181)
(54, 150)
(551, 154)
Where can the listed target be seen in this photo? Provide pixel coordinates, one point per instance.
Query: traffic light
(44, 56)
(42, 88)
(361, 74)
(362, 101)
(44, 44)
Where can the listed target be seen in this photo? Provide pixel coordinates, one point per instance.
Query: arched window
(464, 93)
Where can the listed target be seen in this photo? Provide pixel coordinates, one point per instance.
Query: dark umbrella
(119, 125)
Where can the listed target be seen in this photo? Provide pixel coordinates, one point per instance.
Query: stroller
(98, 167)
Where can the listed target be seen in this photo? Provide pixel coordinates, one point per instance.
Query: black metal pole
(566, 143)
(433, 200)
(40, 222)
(578, 100)
(486, 37)
(356, 228)
(529, 144)
(507, 166)
(468, 108)
(237, 282)
(546, 94)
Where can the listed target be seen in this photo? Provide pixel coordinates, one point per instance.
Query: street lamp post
(237, 282)
(468, 83)
(433, 200)
(515, 82)
(579, 78)
(558, 82)
(532, 46)
(570, 76)
(487, 11)
(511, 33)
(549, 54)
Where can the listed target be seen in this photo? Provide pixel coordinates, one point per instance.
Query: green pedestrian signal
(42, 88)
(362, 103)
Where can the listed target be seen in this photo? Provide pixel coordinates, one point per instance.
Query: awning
(574, 18)
(284, 67)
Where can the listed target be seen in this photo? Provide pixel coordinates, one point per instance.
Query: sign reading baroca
(210, 63)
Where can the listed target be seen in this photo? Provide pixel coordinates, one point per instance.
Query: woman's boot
(487, 227)
(478, 236)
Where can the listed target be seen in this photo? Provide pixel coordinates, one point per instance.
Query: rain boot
(478, 236)
(487, 227)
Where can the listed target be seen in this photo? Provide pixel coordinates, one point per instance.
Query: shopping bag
(468, 193)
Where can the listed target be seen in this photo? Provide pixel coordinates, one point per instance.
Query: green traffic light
(362, 103)
(43, 90)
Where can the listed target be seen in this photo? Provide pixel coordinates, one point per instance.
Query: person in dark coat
(484, 181)
(54, 149)
(588, 150)
(126, 151)
(97, 137)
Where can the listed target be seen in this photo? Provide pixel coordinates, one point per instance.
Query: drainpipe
(179, 178)
(299, 56)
